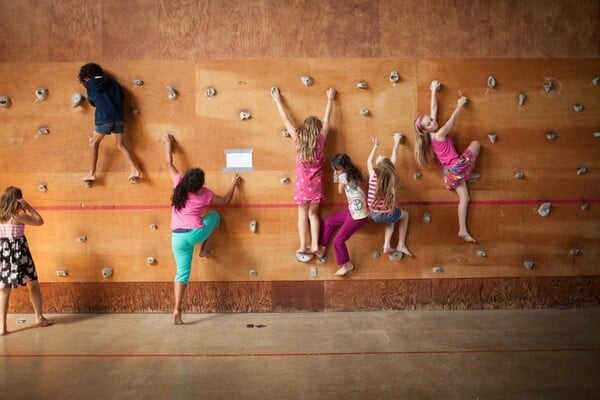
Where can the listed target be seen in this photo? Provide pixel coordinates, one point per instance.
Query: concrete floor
(516, 354)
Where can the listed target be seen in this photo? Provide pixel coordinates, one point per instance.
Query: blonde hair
(387, 183)
(9, 203)
(423, 150)
(306, 138)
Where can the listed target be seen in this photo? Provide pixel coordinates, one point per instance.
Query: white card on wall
(237, 160)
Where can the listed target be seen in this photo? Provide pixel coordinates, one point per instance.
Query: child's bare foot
(344, 269)
(205, 253)
(320, 252)
(134, 176)
(466, 237)
(404, 249)
(387, 250)
(3, 332)
(43, 322)
(474, 177)
(177, 319)
(89, 177)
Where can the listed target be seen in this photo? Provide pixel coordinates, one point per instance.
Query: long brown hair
(423, 150)
(306, 138)
(9, 203)
(387, 183)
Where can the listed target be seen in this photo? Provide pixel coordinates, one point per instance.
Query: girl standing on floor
(16, 264)
(309, 140)
(435, 142)
(383, 201)
(191, 224)
(350, 219)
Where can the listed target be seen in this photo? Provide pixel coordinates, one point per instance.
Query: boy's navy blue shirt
(107, 96)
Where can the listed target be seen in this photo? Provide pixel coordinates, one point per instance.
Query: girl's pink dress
(309, 176)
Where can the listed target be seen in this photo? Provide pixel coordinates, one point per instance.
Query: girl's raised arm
(434, 88)
(169, 139)
(289, 125)
(328, 108)
(394, 156)
(370, 160)
(444, 130)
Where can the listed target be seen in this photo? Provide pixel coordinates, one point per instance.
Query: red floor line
(307, 354)
(115, 207)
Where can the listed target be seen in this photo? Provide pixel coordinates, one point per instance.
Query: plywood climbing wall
(120, 225)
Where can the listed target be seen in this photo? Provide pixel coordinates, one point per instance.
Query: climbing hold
(82, 239)
(42, 187)
(303, 257)
(285, 133)
(62, 273)
(401, 137)
(252, 272)
(492, 137)
(574, 252)
(153, 226)
(376, 254)
(519, 175)
(578, 107)
(394, 76)
(437, 269)
(76, 99)
(585, 206)
(41, 94)
(544, 209)
(491, 82)
(151, 260)
(481, 253)
(528, 264)
(548, 86)
(285, 180)
(107, 272)
(427, 218)
(362, 85)
(5, 101)
(365, 112)
(253, 226)
(244, 115)
(417, 175)
(135, 112)
(43, 130)
(210, 92)
(138, 82)
(275, 90)
(596, 81)
(306, 80)
(597, 134)
(522, 97)
(172, 93)
(582, 170)
(550, 136)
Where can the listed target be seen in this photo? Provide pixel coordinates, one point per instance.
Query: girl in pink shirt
(433, 141)
(191, 224)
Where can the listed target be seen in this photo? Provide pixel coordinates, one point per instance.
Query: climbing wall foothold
(285, 133)
(252, 272)
(521, 98)
(43, 130)
(365, 112)
(245, 115)
(42, 187)
(417, 175)
(307, 80)
(550, 136)
(578, 107)
(597, 134)
(544, 209)
(138, 82)
(151, 260)
(41, 94)
(519, 175)
(376, 254)
(76, 99)
(210, 91)
(172, 93)
(135, 112)
(62, 273)
(528, 264)
(107, 272)
(481, 253)
(492, 138)
(582, 170)
(362, 85)
(153, 227)
(491, 82)
(285, 180)
(401, 137)
(596, 81)
(82, 239)
(585, 206)
(253, 226)
(394, 76)
(574, 252)
(426, 218)
(5, 101)
(437, 269)
(548, 86)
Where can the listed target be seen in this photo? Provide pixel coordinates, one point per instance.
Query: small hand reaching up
(435, 86)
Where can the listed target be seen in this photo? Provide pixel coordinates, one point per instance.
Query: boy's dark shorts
(111, 127)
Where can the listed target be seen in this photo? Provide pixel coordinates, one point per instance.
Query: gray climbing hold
(76, 99)
(528, 264)
(550, 136)
(210, 92)
(597, 134)
(252, 272)
(5, 101)
(521, 98)
(585, 206)
(306, 80)
(304, 257)
(376, 254)
(437, 269)
(365, 112)
(42, 187)
(153, 226)
(394, 76)
(596, 81)
(82, 239)
(544, 209)
(491, 82)
(582, 170)
(427, 218)
(362, 85)
(285, 180)
(138, 82)
(107, 272)
(519, 175)
(253, 226)
(43, 130)
(492, 138)
(574, 252)
(481, 253)
(41, 94)
(417, 175)
(135, 112)
(578, 107)
(548, 86)
(172, 93)
(285, 133)
(245, 115)
(151, 260)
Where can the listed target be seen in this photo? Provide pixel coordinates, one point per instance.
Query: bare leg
(475, 147)
(387, 238)
(302, 226)
(402, 229)
(4, 296)
(95, 145)
(179, 292)
(313, 218)
(35, 296)
(135, 172)
(463, 206)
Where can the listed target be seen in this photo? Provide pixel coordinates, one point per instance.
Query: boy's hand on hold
(435, 85)
(331, 93)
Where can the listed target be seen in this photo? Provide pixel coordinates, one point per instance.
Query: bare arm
(289, 125)
(328, 108)
(444, 130)
(218, 200)
(29, 216)
(394, 157)
(371, 159)
(169, 140)
(434, 87)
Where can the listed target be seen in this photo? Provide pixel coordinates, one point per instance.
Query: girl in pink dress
(309, 139)
(433, 141)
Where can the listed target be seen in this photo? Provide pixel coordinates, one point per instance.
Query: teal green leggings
(183, 245)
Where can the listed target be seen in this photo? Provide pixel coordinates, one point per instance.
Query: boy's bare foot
(404, 249)
(467, 238)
